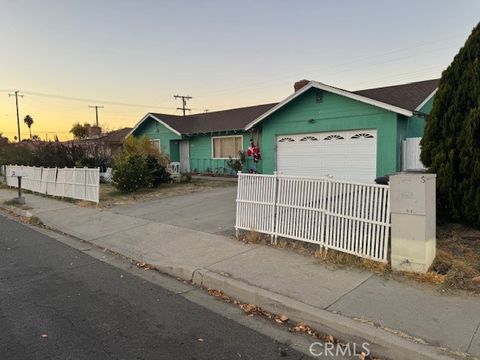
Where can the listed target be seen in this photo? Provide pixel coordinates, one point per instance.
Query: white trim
(221, 137)
(426, 100)
(348, 94)
(156, 119)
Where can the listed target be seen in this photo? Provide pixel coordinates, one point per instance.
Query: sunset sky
(133, 56)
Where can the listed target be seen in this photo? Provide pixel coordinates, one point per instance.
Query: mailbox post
(413, 211)
(19, 174)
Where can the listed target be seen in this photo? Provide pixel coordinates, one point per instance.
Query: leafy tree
(28, 120)
(451, 144)
(80, 131)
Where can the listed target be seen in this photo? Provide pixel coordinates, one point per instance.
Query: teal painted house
(318, 130)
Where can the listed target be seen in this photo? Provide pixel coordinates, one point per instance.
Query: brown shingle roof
(233, 119)
(405, 96)
(116, 136)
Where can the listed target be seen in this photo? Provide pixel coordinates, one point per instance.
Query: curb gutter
(383, 343)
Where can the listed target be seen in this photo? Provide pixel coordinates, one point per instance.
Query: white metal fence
(341, 215)
(411, 150)
(75, 183)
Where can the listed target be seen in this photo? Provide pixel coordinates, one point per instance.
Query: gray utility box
(413, 210)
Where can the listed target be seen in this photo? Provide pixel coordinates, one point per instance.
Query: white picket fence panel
(411, 150)
(75, 183)
(342, 215)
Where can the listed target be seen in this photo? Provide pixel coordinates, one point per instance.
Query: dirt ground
(109, 196)
(458, 257)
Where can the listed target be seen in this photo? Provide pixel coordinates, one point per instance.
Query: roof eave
(427, 99)
(156, 119)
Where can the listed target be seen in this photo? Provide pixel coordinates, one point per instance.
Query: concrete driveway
(212, 212)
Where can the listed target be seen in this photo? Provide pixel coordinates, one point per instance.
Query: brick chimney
(300, 84)
(94, 131)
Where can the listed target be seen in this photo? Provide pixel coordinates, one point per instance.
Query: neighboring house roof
(116, 136)
(403, 99)
(112, 137)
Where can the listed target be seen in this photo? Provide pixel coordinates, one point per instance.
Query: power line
(118, 103)
(16, 94)
(96, 107)
(184, 102)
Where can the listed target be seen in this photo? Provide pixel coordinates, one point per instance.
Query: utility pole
(16, 94)
(96, 107)
(184, 102)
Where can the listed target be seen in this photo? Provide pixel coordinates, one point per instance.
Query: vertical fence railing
(342, 215)
(256, 203)
(75, 183)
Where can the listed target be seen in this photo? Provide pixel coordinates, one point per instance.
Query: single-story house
(318, 130)
(106, 143)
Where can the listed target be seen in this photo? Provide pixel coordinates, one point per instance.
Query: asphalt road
(56, 302)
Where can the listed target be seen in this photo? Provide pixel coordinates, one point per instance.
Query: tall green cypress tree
(451, 144)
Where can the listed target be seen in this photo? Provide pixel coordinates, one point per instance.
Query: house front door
(184, 156)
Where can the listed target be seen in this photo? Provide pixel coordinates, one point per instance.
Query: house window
(224, 147)
(156, 143)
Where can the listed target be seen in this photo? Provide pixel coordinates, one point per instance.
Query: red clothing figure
(254, 151)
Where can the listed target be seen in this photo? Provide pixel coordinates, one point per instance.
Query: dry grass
(331, 257)
(458, 257)
(254, 237)
(110, 196)
(34, 220)
(430, 277)
(456, 266)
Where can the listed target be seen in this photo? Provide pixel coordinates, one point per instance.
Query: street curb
(382, 343)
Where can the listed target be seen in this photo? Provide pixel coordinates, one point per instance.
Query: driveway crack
(348, 292)
(473, 337)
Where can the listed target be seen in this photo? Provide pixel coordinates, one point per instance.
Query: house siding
(168, 140)
(416, 124)
(334, 113)
(201, 157)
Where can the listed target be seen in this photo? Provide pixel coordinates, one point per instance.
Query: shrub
(139, 164)
(236, 164)
(53, 154)
(131, 173)
(158, 172)
(451, 145)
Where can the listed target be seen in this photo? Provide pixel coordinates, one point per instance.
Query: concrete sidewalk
(394, 315)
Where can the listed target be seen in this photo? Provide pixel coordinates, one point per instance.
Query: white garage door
(348, 155)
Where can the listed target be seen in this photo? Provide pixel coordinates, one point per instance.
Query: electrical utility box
(413, 211)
